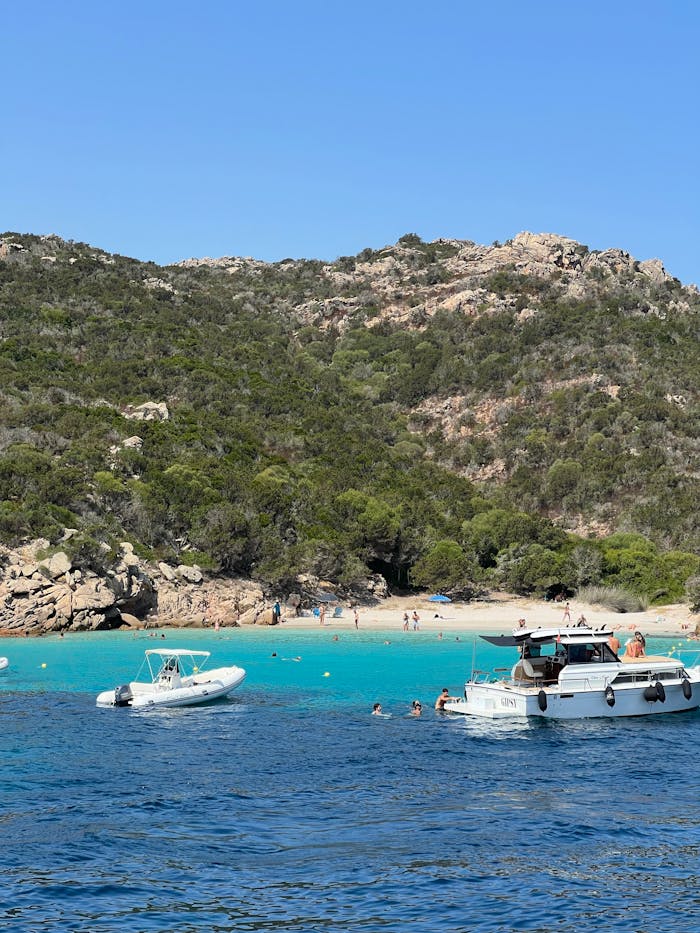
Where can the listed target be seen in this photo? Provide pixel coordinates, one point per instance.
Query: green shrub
(613, 597)
(445, 566)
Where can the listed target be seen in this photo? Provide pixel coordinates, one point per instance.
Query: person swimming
(443, 698)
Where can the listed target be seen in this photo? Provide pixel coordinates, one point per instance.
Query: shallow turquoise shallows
(289, 807)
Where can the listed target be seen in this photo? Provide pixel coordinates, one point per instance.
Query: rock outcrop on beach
(44, 594)
(40, 595)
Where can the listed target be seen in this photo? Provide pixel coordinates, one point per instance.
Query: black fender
(609, 696)
(651, 693)
(660, 692)
(542, 700)
(687, 689)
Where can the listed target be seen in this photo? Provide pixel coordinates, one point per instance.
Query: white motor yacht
(572, 673)
(176, 678)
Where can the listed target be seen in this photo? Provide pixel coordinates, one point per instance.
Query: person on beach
(276, 611)
(521, 623)
(442, 699)
(405, 621)
(416, 621)
(416, 708)
(356, 617)
(322, 615)
(567, 613)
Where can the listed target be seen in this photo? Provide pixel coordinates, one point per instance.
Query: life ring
(609, 696)
(660, 692)
(542, 700)
(687, 689)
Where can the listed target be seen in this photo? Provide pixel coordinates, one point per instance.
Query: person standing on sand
(416, 621)
(567, 613)
(405, 621)
(322, 615)
(356, 617)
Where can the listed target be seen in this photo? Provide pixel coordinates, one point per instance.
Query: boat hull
(504, 701)
(202, 688)
(3, 663)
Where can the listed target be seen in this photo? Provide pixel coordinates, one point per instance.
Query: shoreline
(499, 615)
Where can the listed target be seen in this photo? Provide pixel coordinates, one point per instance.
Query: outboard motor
(123, 695)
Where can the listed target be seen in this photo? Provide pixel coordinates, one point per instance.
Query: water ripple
(273, 812)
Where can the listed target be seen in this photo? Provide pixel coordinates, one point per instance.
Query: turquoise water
(289, 807)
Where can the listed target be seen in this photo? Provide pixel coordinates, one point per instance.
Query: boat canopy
(178, 653)
(566, 636)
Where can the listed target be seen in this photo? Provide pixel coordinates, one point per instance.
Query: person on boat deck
(443, 698)
(636, 647)
(614, 643)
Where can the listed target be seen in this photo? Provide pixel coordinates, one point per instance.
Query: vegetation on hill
(353, 417)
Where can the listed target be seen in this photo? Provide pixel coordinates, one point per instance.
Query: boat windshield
(589, 652)
(579, 652)
(174, 661)
(545, 649)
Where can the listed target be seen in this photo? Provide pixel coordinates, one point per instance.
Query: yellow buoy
(44, 664)
(327, 674)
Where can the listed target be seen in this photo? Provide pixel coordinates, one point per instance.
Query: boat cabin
(544, 653)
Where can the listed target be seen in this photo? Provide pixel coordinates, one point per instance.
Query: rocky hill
(437, 413)
(411, 282)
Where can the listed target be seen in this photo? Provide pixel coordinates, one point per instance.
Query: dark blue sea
(290, 808)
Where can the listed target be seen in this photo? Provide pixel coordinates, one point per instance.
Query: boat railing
(484, 677)
(479, 677)
(690, 657)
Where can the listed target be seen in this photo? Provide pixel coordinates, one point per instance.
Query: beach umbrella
(439, 598)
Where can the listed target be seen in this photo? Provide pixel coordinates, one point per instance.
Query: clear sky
(164, 130)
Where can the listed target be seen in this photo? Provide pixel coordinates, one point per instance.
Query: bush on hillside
(612, 597)
(692, 592)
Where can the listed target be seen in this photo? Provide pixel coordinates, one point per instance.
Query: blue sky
(164, 130)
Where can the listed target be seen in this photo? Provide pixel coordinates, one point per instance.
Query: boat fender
(651, 693)
(660, 692)
(687, 689)
(542, 700)
(609, 696)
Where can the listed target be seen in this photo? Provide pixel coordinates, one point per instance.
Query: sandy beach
(500, 614)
